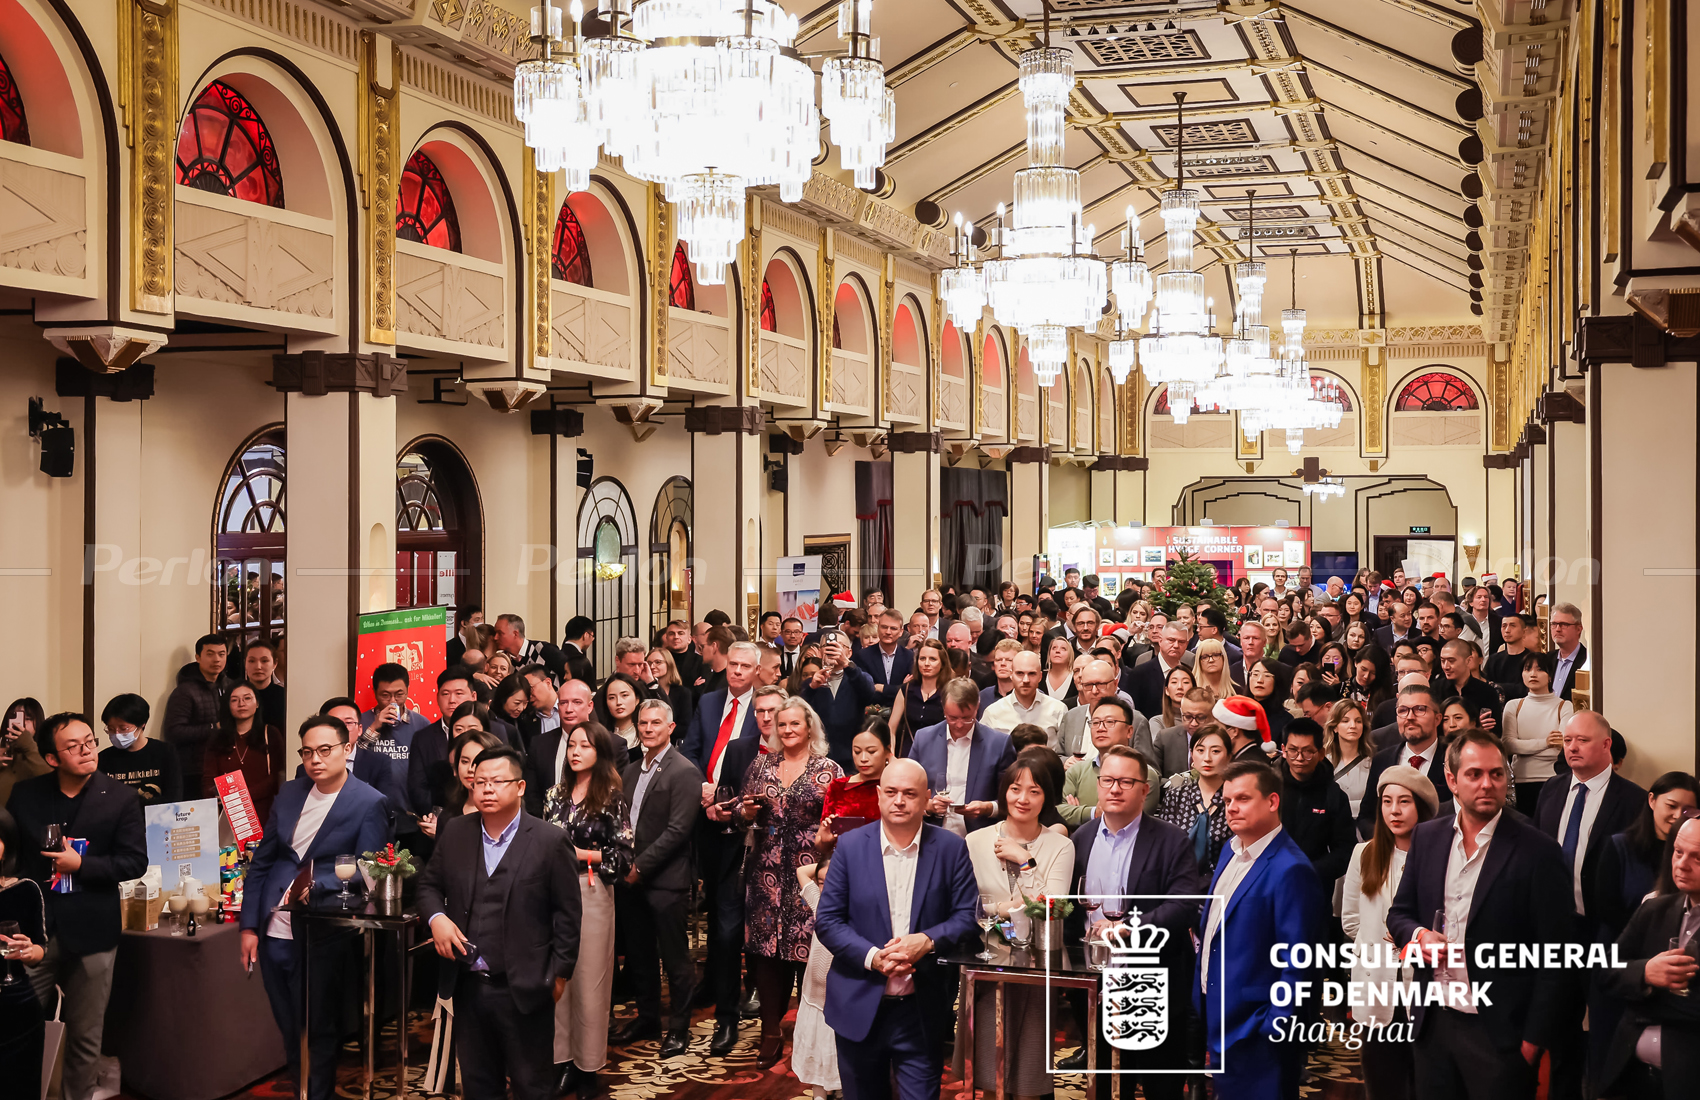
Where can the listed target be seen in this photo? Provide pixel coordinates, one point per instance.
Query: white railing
(44, 228)
(994, 416)
(1056, 421)
(1026, 416)
(851, 388)
(908, 393)
(953, 403)
(698, 352)
(240, 260)
(784, 369)
(448, 301)
(592, 330)
(1429, 429)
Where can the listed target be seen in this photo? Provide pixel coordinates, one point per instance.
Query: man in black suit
(1497, 880)
(104, 844)
(1656, 984)
(1160, 867)
(501, 899)
(428, 756)
(566, 710)
(1583, 811)
(888, 662)
(1397, 630)
(1457, 659)
(666, 800)
(1418, 716)
(574, 661)
(1145, 682)
(1571, 656)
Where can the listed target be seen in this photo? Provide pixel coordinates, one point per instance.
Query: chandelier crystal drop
(549, 101)
(1130, 279)
(711, 222)
(963, 287)
(1181, 350)
(1124, 356)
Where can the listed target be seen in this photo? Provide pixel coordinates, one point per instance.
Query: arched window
(437, 528)
(1436, 392)
(770, 315)
(248, 535)
(224, 148)
(837, 337)
(607, 567)
(14, 126)
(572, 252)
(684, 291)
(424, 209)
(1162, 406)
(670, 555)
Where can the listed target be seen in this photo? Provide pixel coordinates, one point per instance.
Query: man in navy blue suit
(722, 718)
(889, 662)
(888, 999)
(963, 760)
(840, 693)
(1267, 894)
(326, 814)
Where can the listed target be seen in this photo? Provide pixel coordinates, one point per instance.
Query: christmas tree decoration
(1190, 581)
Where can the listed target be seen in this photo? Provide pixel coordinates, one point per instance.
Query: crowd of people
(1376, 763)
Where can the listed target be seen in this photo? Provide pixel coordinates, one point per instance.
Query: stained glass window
(1436, 392)
(13, 125)
(1162, 406)
(572, 254)
(224, 148)
(837, 337)
(769, 316)
(1329, 390)
(684, 291)
(424, 209)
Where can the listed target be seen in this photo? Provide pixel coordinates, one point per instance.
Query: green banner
(409, 618)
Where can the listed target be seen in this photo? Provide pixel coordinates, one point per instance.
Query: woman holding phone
(853, 800)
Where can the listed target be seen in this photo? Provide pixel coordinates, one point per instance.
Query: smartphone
(469, 949)
(842, 825)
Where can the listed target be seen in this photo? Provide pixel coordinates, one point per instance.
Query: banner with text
(413, 637)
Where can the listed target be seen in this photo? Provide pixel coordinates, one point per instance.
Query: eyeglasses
(1556, 623)
(1300, 754)
(1194, 719)
(323, 752)
(1113, 783)
(1411, 712)
(83, 747)
(1107, 723)
(491, 784)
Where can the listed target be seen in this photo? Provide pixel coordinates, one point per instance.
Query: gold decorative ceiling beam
(1311, 64)
(1193, 68)
(1457, 83)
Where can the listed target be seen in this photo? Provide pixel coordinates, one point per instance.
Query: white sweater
(1365, 920)
(1527, 723)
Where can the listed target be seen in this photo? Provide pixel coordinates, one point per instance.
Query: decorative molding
(539, 199)
(1630, 339)
(505, 395)
(1677, 311)
(634, 413)
(317, 373)
(106, 349)
(752, 292)
(380, 169)
(913, 274)
(857, 251)
(43, 219)
(472, 94)
(310, 25)
(148, 93)
(1499, 398)
(826, 295)
(441, 295)
(242, 253)
(661, 236)
(888, 316)
(1558, 407)
(720, 419)
(1040, 455)
(781, 218)
(1372, 380)
(72, 379)
(907, 443)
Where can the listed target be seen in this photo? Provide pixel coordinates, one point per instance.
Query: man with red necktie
(1419, 747)
(723, 717)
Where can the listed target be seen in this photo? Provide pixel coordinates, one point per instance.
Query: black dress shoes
(676, 1042)
(772, 1048)
(566, 1078)
(588, 1085)
(634, 1031)
(751, 1008)
(1073, 1063)
(725, 1038)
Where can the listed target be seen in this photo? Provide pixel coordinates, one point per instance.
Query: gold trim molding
(540, 205)
(380, 156)
(149, 84)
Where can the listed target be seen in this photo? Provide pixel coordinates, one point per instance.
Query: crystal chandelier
(1286, 399)
(1325, 487)
(1181, 351)
(707, 98)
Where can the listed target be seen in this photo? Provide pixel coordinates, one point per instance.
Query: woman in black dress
(22, 1031)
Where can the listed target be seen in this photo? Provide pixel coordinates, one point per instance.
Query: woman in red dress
(856, 796)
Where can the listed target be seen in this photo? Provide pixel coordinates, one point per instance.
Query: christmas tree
(1190, 581)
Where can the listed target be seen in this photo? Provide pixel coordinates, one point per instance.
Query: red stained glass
(837, 337)
(769, 316)
(424, 209)
(572, 255)
(1162, 406)
(684, 291)
(1436, 392)
(14, 126)
(224, 148)
(1320, 388)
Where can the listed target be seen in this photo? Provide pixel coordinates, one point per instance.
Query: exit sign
(1419, 530)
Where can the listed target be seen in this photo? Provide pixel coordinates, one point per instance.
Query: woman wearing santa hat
(1248, 725)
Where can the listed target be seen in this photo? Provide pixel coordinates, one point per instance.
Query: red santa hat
(1388, 584)
(1437, 576)
(1244, 713)
(844, 601)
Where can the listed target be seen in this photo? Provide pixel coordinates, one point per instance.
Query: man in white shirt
(931, 605)
(1026, 703)
(791, 635)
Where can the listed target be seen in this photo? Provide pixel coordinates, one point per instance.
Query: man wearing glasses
(1096, 682)
(1565, 625)
(1417, 716)
(1314, 810)
(323, 814)
(99, 821)
(1111, 724)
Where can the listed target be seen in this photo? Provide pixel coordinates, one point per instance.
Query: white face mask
(125, 740)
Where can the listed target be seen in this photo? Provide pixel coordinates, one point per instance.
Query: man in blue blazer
(840, 693)
(889, 663)
(1268, 894)
(328, 813)
(888, 999)
(989, 753)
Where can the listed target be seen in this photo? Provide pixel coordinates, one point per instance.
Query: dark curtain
(873, 524)
(972, 507)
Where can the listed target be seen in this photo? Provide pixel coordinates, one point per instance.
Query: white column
(114, 570)
(914, 516)
(1029, 511)
(727, 491)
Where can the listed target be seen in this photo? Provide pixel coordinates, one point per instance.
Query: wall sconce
(609, 559)
(1472, 550)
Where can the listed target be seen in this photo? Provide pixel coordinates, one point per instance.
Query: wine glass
(1114, 908)
(724, 793)
(179, 906)
(1676, 944)
(8, 952)
(346, 868)
(53, 838)
(986, 912)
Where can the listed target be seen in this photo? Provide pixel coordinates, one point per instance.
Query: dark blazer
(1522, 896)
(662, 832)
(539, 769)
(376, 771)
(1577, 665)
(1145, 684)
(1162, 865)
(854, 915)
(841, 714)
(540, 917)
(705, 728)
(1383, 737)
(358, 822)
(428, 762)
(870, 660)
(1384, 637)
(989, 753)
(1387, 758)
(108, 814)
(1649, 933)
(1620, 805)
(569, 663)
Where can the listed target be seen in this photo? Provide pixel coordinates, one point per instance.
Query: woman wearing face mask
(146, 765)
(1192, 800)
(1407, 798)
(243, 744)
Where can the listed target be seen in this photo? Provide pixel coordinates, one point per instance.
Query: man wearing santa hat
(1247, 725)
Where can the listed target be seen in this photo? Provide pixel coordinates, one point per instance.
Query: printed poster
(1254, 557)
(1295, 552)
(1109, 584)
(1106, 555)
(1125, 558)
(183, 838)
(798, 586)
(413, 637)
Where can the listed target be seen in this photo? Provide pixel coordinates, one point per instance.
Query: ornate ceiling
(1359, 123)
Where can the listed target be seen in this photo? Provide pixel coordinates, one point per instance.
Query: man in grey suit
(1095, 683)
(666, 796)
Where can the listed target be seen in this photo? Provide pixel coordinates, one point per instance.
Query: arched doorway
(248, 541)
(670, 555)
(607, 566)
(438, 529)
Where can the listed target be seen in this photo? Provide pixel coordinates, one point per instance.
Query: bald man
(1027, 704)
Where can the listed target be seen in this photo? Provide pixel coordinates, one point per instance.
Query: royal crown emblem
(1135, 985)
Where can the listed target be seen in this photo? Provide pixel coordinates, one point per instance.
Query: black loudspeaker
(779, 479)
(58, 450)
(586, 468)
